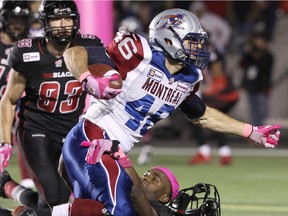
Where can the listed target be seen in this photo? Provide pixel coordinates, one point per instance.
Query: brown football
(99, 70)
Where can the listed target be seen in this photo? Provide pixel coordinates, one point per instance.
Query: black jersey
(161, 209)
(54, 99)
(4, 67)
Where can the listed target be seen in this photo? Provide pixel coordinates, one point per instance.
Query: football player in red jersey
(53, 102)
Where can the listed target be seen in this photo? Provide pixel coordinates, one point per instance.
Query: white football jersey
(149, 93)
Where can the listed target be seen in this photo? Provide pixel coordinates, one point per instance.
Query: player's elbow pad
(193, 107)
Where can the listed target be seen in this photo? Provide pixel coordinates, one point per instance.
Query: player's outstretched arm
(267, 135)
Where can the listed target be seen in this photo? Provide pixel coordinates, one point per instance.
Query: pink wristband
(247, 130)
(119, 154)
(125, 162)
(83, 76)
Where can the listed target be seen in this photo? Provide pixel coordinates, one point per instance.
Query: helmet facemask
(58, 10)
(195, 53)
(200, 200)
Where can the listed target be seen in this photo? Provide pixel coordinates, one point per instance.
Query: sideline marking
(255, 208)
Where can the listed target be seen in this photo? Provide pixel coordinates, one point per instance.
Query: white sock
(224, 151)
(61, 210)
(17, 191)
(205, 150)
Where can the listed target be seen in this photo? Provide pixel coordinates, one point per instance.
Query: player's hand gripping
(267, 135)
(99, 146)
(5, 155)
(99, 86)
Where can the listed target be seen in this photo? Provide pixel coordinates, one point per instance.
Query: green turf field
(251, 186)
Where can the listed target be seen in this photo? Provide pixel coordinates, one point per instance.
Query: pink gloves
(267, 135)
(99, 86)
(99, 146)
(5, 155)
(96, 149)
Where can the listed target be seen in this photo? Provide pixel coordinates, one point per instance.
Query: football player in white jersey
(158, 76)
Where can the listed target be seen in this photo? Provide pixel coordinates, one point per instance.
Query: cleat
(4, 178)
(200, 159)
(225, 160)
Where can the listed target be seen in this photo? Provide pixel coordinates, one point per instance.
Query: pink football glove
(99, 146)
(96, 149)
(267, 135)
(5, 155)
(99, 86)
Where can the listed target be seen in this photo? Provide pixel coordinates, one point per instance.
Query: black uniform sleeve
(193, 107)
(98, 55)
(15, 60)
(87, 40)
(161, 209)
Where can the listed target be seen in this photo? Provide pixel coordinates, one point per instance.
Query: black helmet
(53, 9)
(200, 200)
(15, 13)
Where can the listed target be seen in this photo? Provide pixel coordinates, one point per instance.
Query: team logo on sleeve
(31, 57)
(25, 43)
(156, 75)
(182, 87)
(58, 63)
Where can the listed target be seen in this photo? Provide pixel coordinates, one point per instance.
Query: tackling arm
(138, 197)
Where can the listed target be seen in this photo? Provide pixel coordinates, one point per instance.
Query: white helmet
(170, 28)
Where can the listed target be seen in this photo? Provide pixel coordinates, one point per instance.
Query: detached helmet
(170, 28)
(14, 15)
(200, 200)
(57, 9)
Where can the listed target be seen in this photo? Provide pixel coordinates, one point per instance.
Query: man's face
(156, 185)
(61, 26)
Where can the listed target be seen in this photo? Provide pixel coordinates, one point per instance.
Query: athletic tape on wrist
(84, 76)
(247, 130)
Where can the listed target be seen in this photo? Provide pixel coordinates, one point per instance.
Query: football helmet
(15, 17)
(200, 200)
(168, 31)
(54, 9)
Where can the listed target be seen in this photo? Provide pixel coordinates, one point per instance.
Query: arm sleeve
(98, 55)
(193, 107)
(14, 60)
